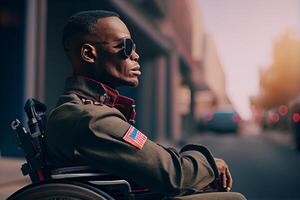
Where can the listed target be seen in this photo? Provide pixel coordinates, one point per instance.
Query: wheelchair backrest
(32, 141)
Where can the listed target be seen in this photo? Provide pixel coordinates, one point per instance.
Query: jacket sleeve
(100, 143)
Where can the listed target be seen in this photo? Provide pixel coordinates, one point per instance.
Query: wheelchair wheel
(60, 191)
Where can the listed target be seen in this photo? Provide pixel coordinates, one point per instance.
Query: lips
(137, 67)
(136, 70)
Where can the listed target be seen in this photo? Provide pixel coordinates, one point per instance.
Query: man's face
(111, 68)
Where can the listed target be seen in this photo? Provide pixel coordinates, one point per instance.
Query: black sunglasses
(127, 47)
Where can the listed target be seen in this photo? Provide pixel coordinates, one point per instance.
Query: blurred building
(279, 82)
(12, 51)
(213, 95)
(179, 62)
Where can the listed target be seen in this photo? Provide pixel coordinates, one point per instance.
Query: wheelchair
(64, 182)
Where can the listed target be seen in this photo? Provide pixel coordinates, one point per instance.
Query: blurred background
(225, 74)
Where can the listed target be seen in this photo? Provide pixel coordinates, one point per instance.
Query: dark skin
(98, 62)
(226, 179)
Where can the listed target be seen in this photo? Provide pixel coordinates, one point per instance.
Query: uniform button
(87, 101)
(102, 98)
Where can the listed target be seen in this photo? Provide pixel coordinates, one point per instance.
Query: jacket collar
(100, 93)
(85, 86)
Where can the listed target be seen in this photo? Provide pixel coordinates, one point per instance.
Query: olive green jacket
(81, 133)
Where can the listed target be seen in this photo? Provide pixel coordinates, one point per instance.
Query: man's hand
(225, 176)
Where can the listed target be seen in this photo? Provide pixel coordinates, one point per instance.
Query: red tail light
(270, 120)
(296, 117)
(236, 118)
(275, 118)
(283, 110)
(208, 117)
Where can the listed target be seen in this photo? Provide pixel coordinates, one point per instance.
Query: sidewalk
(11, 177)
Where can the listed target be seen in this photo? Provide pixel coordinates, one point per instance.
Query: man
(91, 123)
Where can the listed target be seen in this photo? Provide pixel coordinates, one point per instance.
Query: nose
(135, 56)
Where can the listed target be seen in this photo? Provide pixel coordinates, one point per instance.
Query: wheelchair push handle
(35, 112)
(32, 141)
(15, 124)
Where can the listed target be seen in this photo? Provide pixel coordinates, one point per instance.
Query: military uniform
(90, 126)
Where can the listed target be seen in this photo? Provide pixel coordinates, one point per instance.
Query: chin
(134, 83)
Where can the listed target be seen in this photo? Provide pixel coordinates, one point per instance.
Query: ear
(88, 53)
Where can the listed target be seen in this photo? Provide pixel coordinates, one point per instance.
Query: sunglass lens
(128, 47)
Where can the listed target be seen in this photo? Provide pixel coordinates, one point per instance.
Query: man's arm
(100, 143)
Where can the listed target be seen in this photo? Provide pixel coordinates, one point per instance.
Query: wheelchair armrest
(54, 170)
(79, 172)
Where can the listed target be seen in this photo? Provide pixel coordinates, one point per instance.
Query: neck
(105, 80)
(110, 84)
(108, 80)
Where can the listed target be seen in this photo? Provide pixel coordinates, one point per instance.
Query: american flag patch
(135, 137)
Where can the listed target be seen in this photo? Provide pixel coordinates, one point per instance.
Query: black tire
(60, 191)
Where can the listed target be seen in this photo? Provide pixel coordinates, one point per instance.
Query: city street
(264, 166)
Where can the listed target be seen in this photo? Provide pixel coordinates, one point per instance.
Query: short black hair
(83, 23)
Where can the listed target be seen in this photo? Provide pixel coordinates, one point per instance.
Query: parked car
(295, 120)
(276, 118)
(223, 121)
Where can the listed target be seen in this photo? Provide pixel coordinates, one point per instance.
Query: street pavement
(264, 166)
(11, 178)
